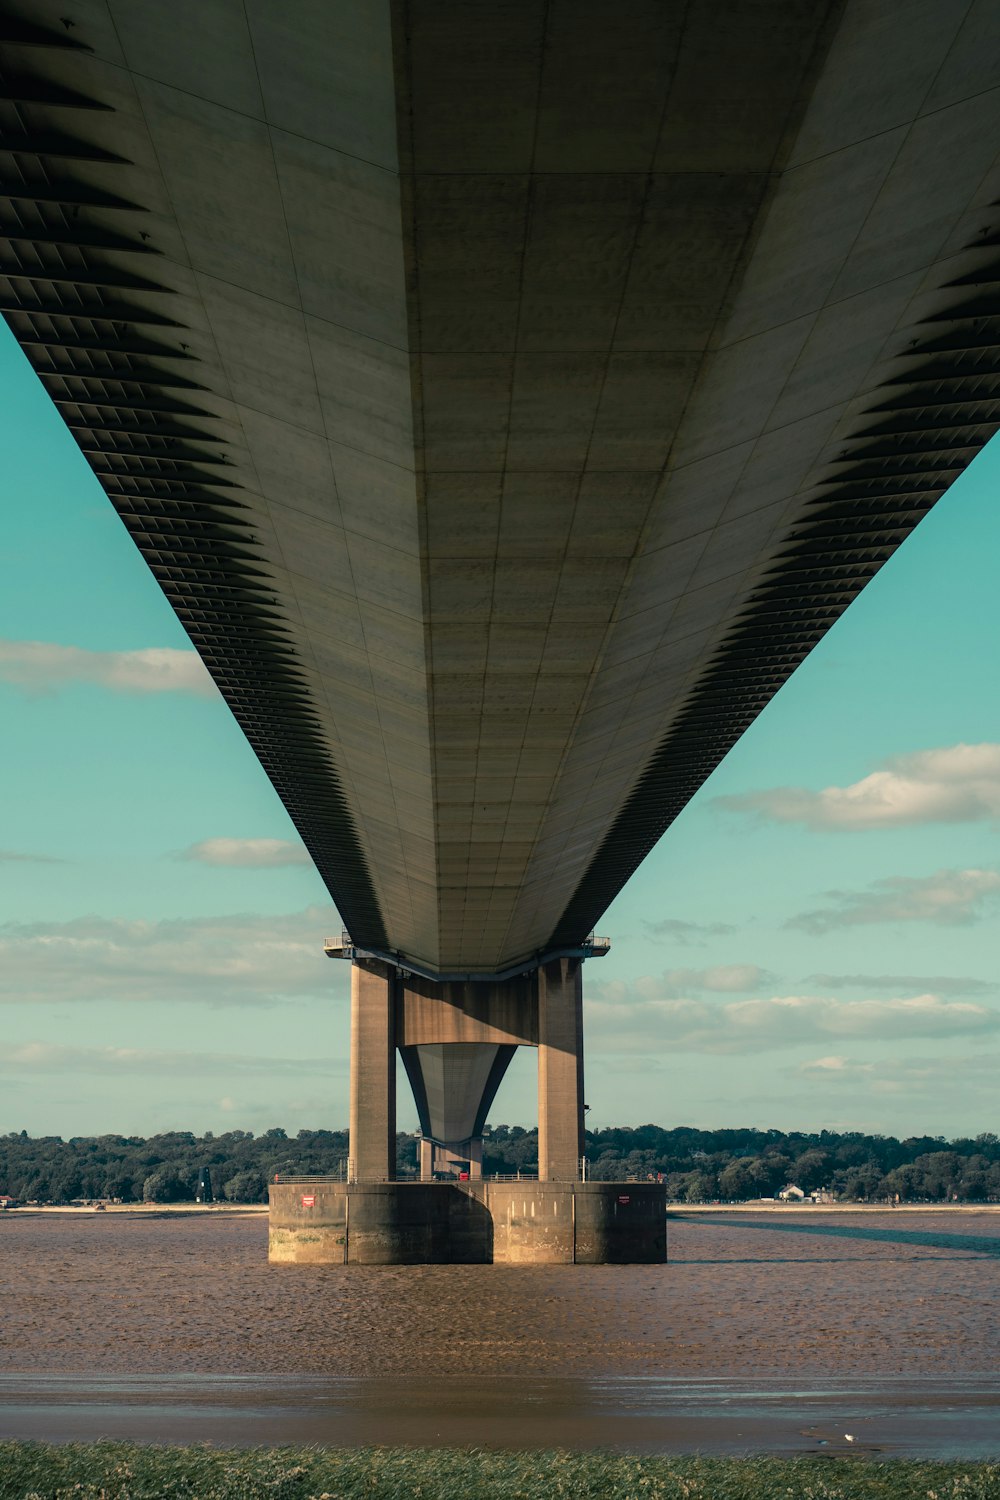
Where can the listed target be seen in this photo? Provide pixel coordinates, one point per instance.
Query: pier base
(467, 1223)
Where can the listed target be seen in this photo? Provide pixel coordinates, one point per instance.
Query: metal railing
(345, 947)
(347, 1172)
(295, 1178)
(345, 943)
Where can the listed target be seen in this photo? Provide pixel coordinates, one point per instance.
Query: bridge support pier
(456, 1041)
(560, 1070)
(372, 1147)
(456, 1038)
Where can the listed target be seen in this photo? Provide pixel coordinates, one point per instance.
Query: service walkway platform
(321, 1221)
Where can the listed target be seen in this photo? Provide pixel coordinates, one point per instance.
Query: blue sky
(812, 944)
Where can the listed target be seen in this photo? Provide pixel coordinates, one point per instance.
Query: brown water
(884, 1294)
(756, 1320)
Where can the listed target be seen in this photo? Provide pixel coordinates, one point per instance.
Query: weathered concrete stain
(516, 1223)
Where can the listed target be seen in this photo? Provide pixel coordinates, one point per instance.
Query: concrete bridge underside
(506, 396)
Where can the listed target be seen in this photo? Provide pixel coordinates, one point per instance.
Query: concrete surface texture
(458, 1083)
(455, 1058)
(573, 364)
(373, 1071)
(315, 1222)
(560, 1069)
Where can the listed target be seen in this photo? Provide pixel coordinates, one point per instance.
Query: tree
(736, 1182)
(741, 1163)
(118, 1183)
(407, 1155)
(164, 1186)
(246, 1187)
(862, 1183)
(771, 1172)
(812, 1170)
(701, 1187)
(974, 1187)
(65, 1183)
(906, 1183)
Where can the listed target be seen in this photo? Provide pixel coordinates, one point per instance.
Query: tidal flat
(886, 1295)
(816, 1332)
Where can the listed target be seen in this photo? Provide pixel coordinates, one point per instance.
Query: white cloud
(41, 666)
(949, 898)
(920, 1078)
(49, 1057)
(634, 1019)
(687, 934)
(719, 978)
(248, 854)
(835, 1064)
(236, 960)
(938, 984)
(293, 1111)
(16, 856)
(956, 784)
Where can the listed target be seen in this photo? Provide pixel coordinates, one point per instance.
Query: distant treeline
(697, 1166)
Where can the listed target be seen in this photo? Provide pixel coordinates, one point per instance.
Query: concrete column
(373, 1071)
(454, 1159)
(560, 1070)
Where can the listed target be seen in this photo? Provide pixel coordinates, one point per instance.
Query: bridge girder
(507, 398)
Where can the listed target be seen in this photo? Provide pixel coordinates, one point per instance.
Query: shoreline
(755, 1205)
(813, 1210)
(915, 1417)
(139, 1210)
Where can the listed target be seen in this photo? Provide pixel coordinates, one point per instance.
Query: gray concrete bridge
(507, 396)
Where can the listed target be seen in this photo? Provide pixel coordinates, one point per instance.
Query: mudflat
(742, 1296)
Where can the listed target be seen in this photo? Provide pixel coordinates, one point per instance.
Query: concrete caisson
(619, 1223)
(308, 1224)
(581, 1223)
(377, 1224)
(403, 1223)
(532, 1223)
(515, 1223)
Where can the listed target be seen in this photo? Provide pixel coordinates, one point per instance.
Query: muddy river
(778, 1331)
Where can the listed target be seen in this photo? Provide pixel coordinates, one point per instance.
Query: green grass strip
(132, 1471)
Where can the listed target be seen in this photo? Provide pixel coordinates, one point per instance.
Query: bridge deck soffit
(505, 409)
